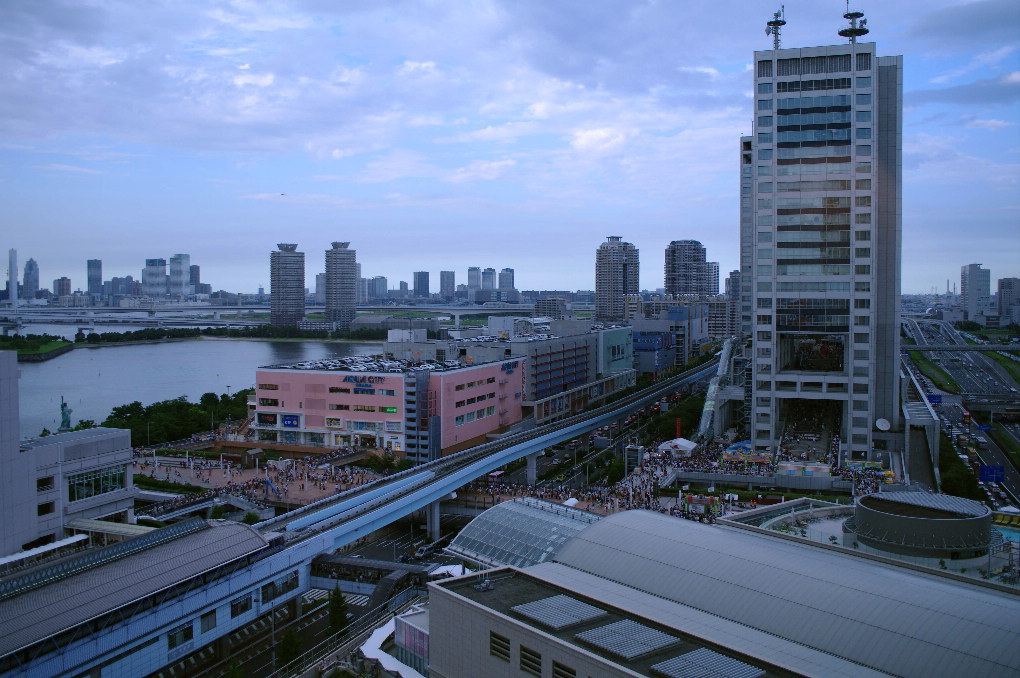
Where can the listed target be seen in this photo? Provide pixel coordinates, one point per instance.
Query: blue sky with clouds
(442, 135)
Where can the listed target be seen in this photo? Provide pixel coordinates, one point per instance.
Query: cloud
(417, 68)
(966, 24)
(598, 141)
(73, 169)
(264, 80)
(1004, 89)
(991, 125)
(482, 170)
(981, 61)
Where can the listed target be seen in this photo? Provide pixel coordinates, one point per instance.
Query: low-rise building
(420, 408)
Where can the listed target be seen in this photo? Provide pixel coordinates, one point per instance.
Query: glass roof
(521, 532)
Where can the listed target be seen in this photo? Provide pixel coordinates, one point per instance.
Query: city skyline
(537, 128)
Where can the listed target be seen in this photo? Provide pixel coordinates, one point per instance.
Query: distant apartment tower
(30, 283)
(975, 290)
(286, 285)
(474, 278)
(194, 274)
(447, 284)
(341, 285)
(1008, 296)
(711, 278)
(378, 287)
(154, 278)
(554, 308)
(62, 287)
(12, 277)
(686, 271)
(826, 248)
(488, 278)
(94, 270)
(747, 211)
(616, 275)
(180, 275)
(506, 279)
(421, 283)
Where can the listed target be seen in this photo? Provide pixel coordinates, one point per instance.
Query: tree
(45, 432)
(289, 647)
(337, 610)
(234, 670)
(250, 518)
(84, 424)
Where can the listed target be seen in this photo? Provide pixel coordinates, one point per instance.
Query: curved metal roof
(935, 502)
(521, 532)
(884, 617)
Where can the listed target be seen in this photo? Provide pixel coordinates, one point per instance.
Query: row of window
(529, 661)
(92, 483)
(471, 384)
(469, 417)
(363, 391)
(475, 399)
(837, 63)
(181, 634)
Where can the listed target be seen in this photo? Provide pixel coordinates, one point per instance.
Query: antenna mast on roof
(772, 27)
(855, 30)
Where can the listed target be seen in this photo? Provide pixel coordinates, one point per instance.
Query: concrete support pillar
(432, 519)
(532, 468)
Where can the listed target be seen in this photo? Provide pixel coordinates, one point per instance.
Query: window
(862, 286)
(459, 403)
(864, 149)
(208, 621)
(338, 406)
(764, 252)
(764, 302)
(44, 484)
(864, 133)
(862, 236)
(860, 337)
(92, 483)
(863, 99)
(269, 387)
(387, 392)
(765, 187)
(459, 387)
(764, 104)
(862, 303)
(764, 204)
(764, 153)
(862, 321)
(764, 336)
(339, 389)
(764, 137)
(364, 408)
(863, 81)
(269, 402)
(764, 170)
(861, 388)
(862, 252)
(44, 509)
(764, 236)
(764, 320)
(490, 410)
(862, 269)
(180, 635)
(765, 286)
(864, 167)
(765, 68)
(862, 218)
(864, 184)
(531, 662)
(860, 405)
(764, 121)
(239, 606)
(861, 354)
(764, 269)
(863, 116)
(499, 646)
(764, 88)
(561, 671)
(864, 62)
(459, 420)
(863, 201)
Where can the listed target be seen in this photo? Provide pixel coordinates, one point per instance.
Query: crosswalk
(355, 599)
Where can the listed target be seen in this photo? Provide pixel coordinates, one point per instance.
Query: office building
(686, 271)
(12, 277)
(378, 287)
(474, 278)
(746, 235)
(975, 290)
(180, 275)
(94, 269)
(320, 288)
(827, 246)
(1007, 297)
(488, 278)
(421, 284)
(155, 282)
(194, 274)
(286, 285)
(30, 282)
(506, 279)
(341, 285)
(616, 275)
(62, 287)
(447, 284)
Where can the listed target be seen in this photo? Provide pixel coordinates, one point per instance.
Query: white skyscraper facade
(824, 244)
(975, 290)
(617, 271)
(341, 284)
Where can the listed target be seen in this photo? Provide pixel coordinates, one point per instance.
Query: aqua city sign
(364, 380)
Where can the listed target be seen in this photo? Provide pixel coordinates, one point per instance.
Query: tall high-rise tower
(824, 251)
(506, 279)
(975, 289)
(154, 278)
(341, 285)
(686, 271)
(286, 285)
(447, 284)
(616, 275)
(94, 269)
(488, 278)
(180, 275)
(30, 282)
(421, 283)
(12, 277)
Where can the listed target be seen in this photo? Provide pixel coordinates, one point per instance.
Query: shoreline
(166, 340)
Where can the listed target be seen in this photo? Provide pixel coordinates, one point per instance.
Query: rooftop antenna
(855, 30)
(772, 27)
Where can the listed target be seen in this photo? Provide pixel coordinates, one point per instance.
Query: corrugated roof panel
(704, 663)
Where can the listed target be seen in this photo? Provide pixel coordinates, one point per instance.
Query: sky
(442, 135)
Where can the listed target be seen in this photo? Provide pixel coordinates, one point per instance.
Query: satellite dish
(882, 424)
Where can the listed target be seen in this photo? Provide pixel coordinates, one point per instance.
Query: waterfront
(95, 380)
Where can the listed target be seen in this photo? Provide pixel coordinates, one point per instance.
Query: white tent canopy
(681, 445)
